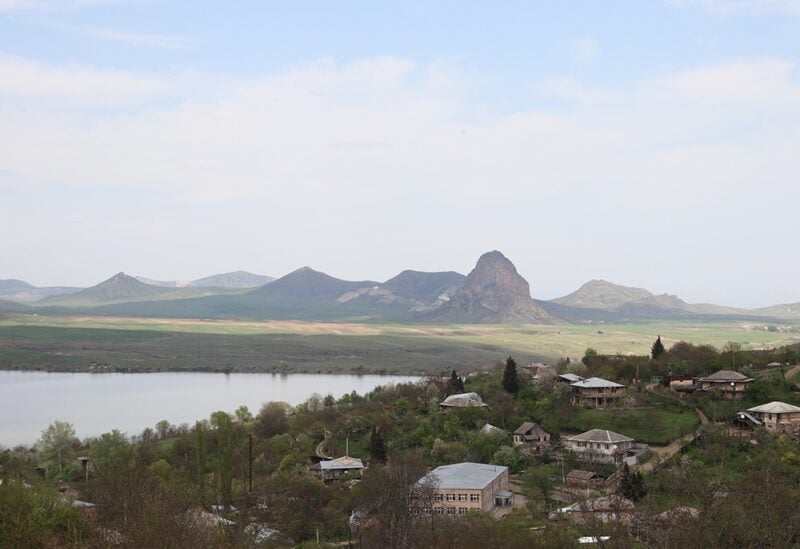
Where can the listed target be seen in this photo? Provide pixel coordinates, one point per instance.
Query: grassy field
(84, 343)
(651, 425)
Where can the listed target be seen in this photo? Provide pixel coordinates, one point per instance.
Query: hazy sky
(650, 143)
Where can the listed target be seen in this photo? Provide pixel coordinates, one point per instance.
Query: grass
(650, 425)
(78, 343)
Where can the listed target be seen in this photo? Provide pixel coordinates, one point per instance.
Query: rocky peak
(494, 292)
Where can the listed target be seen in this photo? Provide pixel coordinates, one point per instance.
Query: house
(462, 400)
(611, 508)
(596, 392)
(681, 383)
(569, 378)
(731, 384)
(778, 417)
(464, 487)
(539, 371)
(332, 469)
(579, 477)
(600, 446)
(531, 437)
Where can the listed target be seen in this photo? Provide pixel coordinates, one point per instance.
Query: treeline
(685, 358)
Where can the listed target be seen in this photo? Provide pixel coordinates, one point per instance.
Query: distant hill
(21, 291)
(163, 283)
(424, 287)
(786, 310)
(304, 294)
(305, 286)
(492, 293)
(600, 294)
(13, 307)
(119, 287)
(600, 300)
(236, 280)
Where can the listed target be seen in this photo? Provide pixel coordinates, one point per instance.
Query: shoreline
(227, 371)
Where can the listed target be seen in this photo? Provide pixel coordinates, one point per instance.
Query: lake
(98, 403)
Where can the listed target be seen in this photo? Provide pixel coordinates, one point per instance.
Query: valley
(85, 343)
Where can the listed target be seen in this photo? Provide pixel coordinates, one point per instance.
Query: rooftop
(527, 427)
(775, 407)
(571, 377)
(580, 474)
(344, 462)
(468, 476)
(596, 383)
(600, 435)
(463, 400)
(726, 375)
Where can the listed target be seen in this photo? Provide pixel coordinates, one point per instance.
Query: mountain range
(493, 292)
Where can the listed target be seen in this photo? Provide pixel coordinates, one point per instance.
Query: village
(548, 452)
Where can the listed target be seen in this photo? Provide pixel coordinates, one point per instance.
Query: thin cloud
(162, 41)
(26, 79)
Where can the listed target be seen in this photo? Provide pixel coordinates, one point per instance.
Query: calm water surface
(97, 403)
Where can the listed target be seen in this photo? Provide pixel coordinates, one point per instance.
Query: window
(474, 497)
(451, 510)
(451, 497)
(462, 510)
(438, 497)
(462, 497)
(439, 510)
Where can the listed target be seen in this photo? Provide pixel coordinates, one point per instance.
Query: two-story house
(596, 392)
(731, 385)
(778, 417)
(531, 437)
(599, 446)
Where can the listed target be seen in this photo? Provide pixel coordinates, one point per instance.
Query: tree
(272, 419)
(631, 485)
(56, 445)
(510, 379)
(243, 414)
(588, 355)
(657, 349)
(732, 347)
(163, 427)
(393, 497)
(456, 383)
(377, 445)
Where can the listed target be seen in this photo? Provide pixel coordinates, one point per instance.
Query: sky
(653, 143)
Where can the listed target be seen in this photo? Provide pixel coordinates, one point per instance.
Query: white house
(600, 446)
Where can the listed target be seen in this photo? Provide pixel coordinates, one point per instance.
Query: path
(319, 450)
(790, 373)
(663, 453)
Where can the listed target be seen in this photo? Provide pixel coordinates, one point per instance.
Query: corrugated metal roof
(726, 375)
(600, 435)
(596, 383)
(571, 377)
(344, 462)
(468, 476)
(775, 407)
